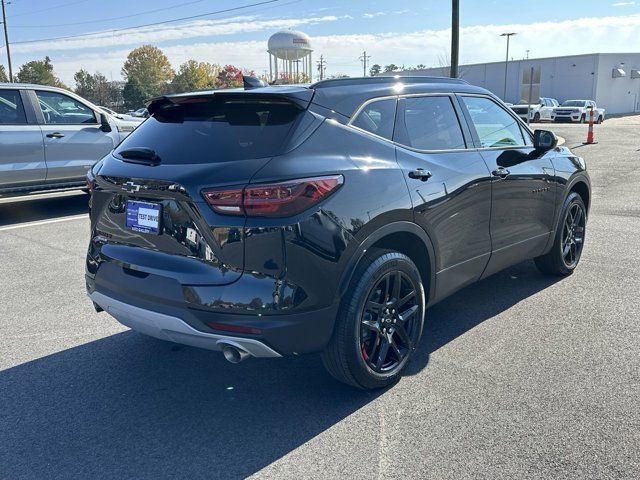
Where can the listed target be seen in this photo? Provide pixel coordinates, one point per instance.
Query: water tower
(289, 55)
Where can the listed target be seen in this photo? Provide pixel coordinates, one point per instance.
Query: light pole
(506, 63)
(455, 36)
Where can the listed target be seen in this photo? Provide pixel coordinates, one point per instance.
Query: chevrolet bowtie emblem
(131, 187)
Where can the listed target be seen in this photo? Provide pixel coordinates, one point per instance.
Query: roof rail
(335, 82)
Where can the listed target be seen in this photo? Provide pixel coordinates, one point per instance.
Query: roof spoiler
(301, 98)
(250, 82)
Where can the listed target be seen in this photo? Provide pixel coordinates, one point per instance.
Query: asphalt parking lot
(519, 376)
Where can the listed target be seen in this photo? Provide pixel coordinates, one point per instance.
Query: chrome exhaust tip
(234, 354)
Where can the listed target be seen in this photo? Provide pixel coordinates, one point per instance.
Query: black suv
(271, 221)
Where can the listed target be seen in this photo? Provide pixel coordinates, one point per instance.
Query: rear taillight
(91, 183)
(282, 199)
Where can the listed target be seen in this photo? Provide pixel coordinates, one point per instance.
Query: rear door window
(377, 117)
(11, 108)
(428, 123)
(209, 129)
(494, 126)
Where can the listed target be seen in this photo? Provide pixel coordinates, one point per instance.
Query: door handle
(420, 174)
(500, 172)
(55, 135)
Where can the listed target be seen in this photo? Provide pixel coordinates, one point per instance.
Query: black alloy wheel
(388, 325)
(569, 237)
(573, 235)
(379, 323)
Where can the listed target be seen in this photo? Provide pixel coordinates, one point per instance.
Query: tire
(536, 118)
(558, 261)
(363, 326)
(582, 118)
(600, 120)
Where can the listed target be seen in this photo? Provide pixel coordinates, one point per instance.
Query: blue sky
(399, 31)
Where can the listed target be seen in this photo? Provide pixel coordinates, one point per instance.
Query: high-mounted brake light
(282, 199)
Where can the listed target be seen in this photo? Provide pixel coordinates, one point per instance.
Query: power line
(68, 4)
(111, 18)
(191, 17)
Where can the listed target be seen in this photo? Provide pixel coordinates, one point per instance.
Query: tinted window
(494, 126)
(11, 109)
(209, 129)
(429, 123)
(377, 117)
(58, 108)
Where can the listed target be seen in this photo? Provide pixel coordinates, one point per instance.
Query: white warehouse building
(611, 79)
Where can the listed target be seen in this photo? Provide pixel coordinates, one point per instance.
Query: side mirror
(105, 126)
(544, 140)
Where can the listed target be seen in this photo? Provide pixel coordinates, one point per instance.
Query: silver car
(50, 137)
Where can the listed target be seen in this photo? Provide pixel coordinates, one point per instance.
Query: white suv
(578, 111)
(542, 110)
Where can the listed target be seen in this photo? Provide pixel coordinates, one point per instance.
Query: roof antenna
(253, 82)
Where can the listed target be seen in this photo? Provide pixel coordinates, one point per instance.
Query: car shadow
(128, 406)
(476, 303)
(31, 208)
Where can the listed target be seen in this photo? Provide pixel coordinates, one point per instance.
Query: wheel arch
(404, 237)
(581, 186)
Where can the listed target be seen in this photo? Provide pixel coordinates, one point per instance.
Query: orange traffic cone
(590, 138)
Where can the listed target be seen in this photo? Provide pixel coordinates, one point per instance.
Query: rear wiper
(140, 155)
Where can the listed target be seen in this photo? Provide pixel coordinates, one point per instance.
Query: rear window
(11, 109)
(377, 117)
(429, 123)
(209, 129)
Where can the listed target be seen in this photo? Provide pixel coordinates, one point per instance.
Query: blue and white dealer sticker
(143, 216)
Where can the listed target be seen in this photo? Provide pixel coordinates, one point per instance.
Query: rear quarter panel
(319, 243)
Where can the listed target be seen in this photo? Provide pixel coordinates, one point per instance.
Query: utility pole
(6, 40)
(364, 58)
(322, 66)
(455, 37)
(506, 63)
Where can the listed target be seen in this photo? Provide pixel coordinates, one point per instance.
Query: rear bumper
(167, 327)
(161, 307)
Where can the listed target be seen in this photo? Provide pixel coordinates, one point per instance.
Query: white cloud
(163, 33)
(479, 43)
(623, 4)
(373, 15)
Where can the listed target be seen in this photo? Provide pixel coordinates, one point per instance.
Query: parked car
(578, 111)
(541, 110)
(140, 113)
(327, 218)
(124, 123)
(50, 137)
(121, 116)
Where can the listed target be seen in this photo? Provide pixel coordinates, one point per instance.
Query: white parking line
(44, 222)
(40, 196)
